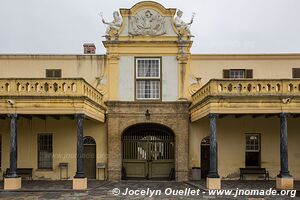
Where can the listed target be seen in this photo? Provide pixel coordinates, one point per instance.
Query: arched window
(89, 141)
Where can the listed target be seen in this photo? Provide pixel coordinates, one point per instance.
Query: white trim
(156, 78)
(136, 68)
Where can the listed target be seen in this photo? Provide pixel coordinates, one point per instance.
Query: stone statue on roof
(183, 27)
(113, 27)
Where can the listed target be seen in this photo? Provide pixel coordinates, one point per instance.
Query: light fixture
(147, 114)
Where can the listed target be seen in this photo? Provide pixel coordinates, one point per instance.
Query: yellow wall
(231, 144)
(91, 67)
(264, 67)
(33, 66)
(64, 144)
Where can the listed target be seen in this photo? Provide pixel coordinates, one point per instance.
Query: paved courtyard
(114, 190)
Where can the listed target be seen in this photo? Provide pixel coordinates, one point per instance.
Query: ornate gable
(148, 18)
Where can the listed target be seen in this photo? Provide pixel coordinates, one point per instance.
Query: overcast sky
(220, 26)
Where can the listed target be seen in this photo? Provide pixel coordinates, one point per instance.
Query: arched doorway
(205, 155)
(148, 152)
(89, 158)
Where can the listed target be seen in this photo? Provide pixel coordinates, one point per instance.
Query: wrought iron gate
(148, 151)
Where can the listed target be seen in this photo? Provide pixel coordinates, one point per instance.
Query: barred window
(148, 78)
(45, 151)
(252, 143)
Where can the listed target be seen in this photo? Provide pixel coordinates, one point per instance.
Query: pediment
(148, 18)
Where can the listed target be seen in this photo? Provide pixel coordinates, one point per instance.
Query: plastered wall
(64, 144)
(31, 66)
(278, 68)
(231, 144)
(169, 78)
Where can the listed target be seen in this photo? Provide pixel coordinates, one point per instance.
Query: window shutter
(48, 73)
(57, 73)
(53, 73)
(296, 72)
(249, 73)
(225, 73)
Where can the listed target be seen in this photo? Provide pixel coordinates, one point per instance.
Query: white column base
(12, 183)
(79, 183)
(213, 183)
(284, 183)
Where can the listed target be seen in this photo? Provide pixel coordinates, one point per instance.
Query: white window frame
(235, 72)
(158, 78)
(258, 140)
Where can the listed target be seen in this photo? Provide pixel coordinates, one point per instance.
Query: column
(79, 180)
(12, 181)
(284, 180)
(213, 178)
(113, 72)
(182, 58)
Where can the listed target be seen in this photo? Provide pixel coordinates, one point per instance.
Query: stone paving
(104, 190)
(244, 184)
(40, 185)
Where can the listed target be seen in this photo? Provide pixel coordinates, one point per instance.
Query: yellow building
(149, 109)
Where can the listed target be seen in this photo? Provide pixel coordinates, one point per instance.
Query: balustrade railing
(69, 87)
(247, 87)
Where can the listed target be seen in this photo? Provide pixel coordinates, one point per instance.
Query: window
(53, 73)
(148, 78)
(296, 72)
(252, 143)
(45, 151)
(252, 150)
(237, 73)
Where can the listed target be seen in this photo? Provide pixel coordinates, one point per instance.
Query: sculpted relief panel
(147, 22)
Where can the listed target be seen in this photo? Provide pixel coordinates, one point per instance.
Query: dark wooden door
(204, 160)
(90, 161)
(252, 159)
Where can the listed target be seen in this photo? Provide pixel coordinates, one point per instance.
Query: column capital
(284, 114)
(79, 116)
(12, 115)
(213, 115)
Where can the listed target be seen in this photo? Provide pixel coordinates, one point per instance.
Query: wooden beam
(240, 115)
(43, 117)
(72, 117)
(257, 115)
(271, 115)
(221, 116)
(29, 117)
(296, 115)
(57, 117)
